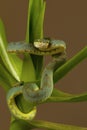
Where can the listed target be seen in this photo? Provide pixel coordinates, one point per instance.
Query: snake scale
(31, 92)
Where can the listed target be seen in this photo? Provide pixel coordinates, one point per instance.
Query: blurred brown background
(66, 20)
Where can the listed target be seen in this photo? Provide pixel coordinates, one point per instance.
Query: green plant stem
(20, 125)
(42, 125)
(64, 69)
(54, 126)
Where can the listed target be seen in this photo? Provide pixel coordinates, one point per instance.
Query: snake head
(41, 44)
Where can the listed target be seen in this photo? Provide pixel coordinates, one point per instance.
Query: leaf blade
(35, 29)
(59, 96)
(54, 126)
(69, 65)
(10, 61)
(28, 71)
(21, 125)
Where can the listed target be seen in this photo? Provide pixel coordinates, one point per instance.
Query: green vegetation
(13, 70)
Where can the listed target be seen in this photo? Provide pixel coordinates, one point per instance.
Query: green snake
(31, 92)
(40, 47)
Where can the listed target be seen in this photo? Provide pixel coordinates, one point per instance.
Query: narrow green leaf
(36, 20)
(38, 64)
(36, 32)
(4, 84)
(28, 72)
(59, 93)
(54, 126)
(22, 125)
(6, 77)
(11, 61)
(64, 69)
(59, 96)
(35, 29)
(19, 125)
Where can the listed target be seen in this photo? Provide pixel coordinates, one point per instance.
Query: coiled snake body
(31, 91)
